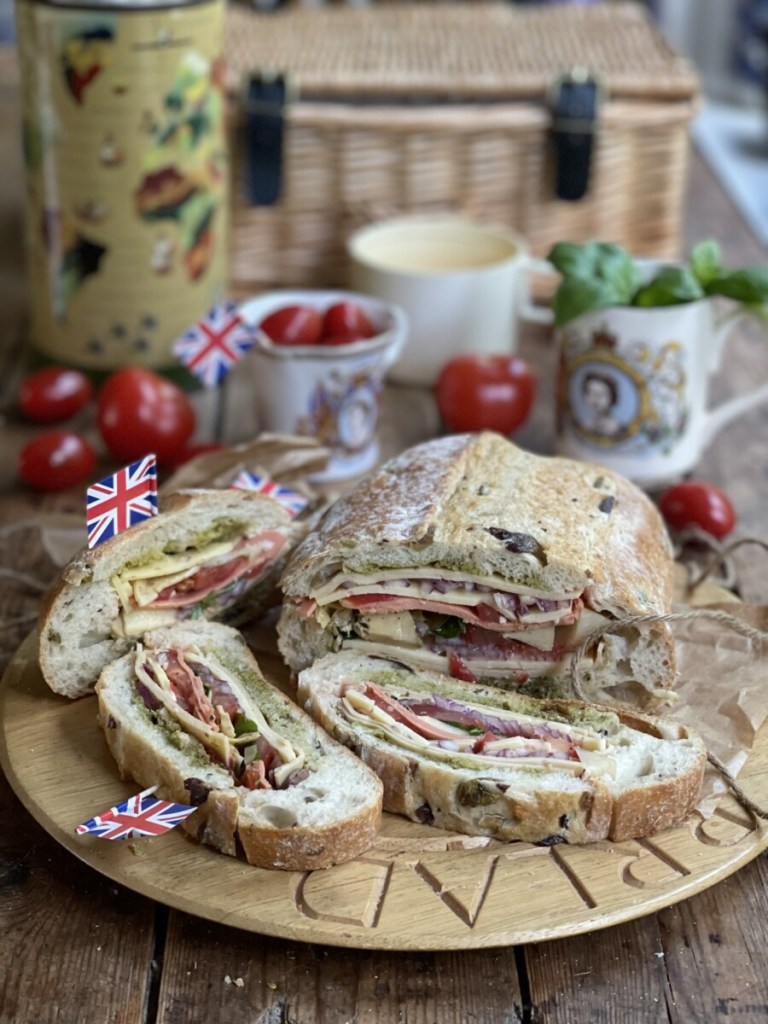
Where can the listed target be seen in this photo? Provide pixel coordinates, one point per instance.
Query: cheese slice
(137, 621)
(332, 590)
(166, 565)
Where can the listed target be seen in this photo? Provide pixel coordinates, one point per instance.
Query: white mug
(633, 388)
(330, 392)
(462, 285)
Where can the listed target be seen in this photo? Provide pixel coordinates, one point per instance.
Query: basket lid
(465, 51)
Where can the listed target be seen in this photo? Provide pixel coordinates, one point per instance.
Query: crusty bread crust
(331, 817)
(76, 639)
(513, 802)
(436, 503)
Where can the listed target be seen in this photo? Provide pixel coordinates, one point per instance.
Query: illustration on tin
(185, 167)
(343, 411)
(110, 153)
(86, 50)
(75, 258)
(630, 397)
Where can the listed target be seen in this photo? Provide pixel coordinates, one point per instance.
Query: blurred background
(727, 41)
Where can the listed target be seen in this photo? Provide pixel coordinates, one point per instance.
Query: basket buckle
(575, 100)
(264, 97)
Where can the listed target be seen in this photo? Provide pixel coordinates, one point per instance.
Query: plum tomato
(54, 394)
(293, 325)
(55, 460)
(346, 321)
(139, 412)
(485, 392)
(698, 503)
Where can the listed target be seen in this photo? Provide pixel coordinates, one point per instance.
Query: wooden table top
(77, 948)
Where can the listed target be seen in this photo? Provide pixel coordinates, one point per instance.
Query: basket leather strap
(575, 108)
(265, 97)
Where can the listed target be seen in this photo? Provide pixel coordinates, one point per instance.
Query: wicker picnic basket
(424, 108)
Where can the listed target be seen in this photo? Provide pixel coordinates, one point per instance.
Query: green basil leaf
(573, 260)
(243, 725)
(576, 296)
(617, 268)
(473, 730)
(672, 285)
(450, 627)
(705, 261)
(749, 286)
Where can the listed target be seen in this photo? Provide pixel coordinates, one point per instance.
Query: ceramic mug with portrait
(331, 392)
(634, 385)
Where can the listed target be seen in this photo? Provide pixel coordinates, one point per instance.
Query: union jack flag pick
(121, 500)
(139, 815)
(292, 501)
(212, 347)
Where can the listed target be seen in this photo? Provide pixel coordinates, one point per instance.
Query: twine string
(37, 584)
(747, 802)
(719, 556)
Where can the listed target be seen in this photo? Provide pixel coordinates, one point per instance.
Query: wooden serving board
(418, 888)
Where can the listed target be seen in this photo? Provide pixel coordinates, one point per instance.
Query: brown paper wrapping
(722, 689)
(287, 459)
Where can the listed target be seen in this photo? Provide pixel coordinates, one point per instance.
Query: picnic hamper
(397, 109)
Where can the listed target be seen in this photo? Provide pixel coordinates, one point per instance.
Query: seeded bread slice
(657, 766)
(330, 816)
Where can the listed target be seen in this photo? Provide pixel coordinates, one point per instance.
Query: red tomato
(293, 325)
(54, 394)
(139, 412)
(485, 392)
(55, 460)
(698, 503)
(346, 318)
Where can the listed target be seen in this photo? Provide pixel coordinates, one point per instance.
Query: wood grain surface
(78, 948)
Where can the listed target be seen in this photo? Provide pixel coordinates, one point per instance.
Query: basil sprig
(243, 725)
(448, 628)
(597, 275)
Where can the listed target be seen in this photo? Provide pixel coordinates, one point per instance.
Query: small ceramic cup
(330, 392)
(462, 284)
(634, 385)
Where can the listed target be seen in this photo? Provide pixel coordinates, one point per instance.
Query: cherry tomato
(344, 319)
(55, 460)
(293, 325)
(139, 412)
(698, 503)
(54, 394)
(485, 392)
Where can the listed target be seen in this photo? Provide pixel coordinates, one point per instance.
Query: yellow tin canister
(126, 160)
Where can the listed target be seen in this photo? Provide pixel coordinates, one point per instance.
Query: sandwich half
(210, 554)
(485, 761)
(469, 556)
(190, 712)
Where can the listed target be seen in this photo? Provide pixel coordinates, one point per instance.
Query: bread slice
(572, 772)
(322, 807)
(477, 509)
(88, 619)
